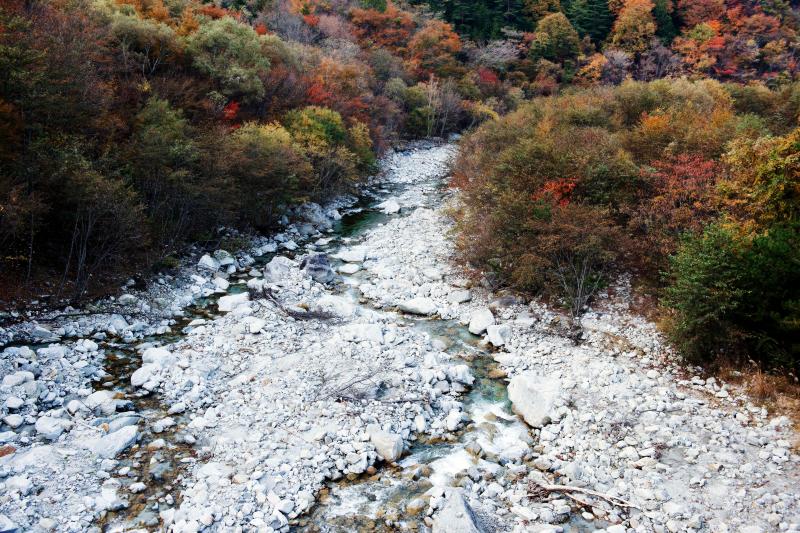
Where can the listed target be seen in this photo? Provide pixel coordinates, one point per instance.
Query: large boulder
(208, 263)
(224, 258)
(418, 306)
(319, 268)
(388, 445)
(110, 445)
(456, 516)
(498, 335)
(230, 302)
(278, 269)
(535, 398)
(352, 255)
(48, 427)
(390, 206)
(480, 320)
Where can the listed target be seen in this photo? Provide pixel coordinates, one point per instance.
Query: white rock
(127, 299)
(453, 420)
(13, 421)
(143, 374)
(111, 445)
(208, 263)
(158, 356)
(534, 398)
(459, 297)
(362, 332)
(17, 378)
(224, 258)
(221, 283)
(388, 445)
(418, 306)
(390, 206)
(480, 320)
(49, 427)
(278, 269)
(228, 303)
(349, 268)
(456, 516)
(498, 335)
(356, 254)
(13, 403)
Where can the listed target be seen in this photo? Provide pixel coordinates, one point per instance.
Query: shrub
(230, 53)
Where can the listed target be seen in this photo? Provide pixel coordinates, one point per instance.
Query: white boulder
(419, 306)
(231, 301)
(388, 445)
(535, 398)
(480, 320)
(498, 335)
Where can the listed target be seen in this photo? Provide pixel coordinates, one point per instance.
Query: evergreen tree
(590, 17)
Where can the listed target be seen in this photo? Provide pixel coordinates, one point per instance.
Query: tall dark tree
(590, 17)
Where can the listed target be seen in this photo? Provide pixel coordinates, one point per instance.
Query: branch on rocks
(536, 488)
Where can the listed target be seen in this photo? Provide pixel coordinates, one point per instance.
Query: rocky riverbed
(344, 375)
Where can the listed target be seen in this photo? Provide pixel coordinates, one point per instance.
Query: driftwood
(568, 490)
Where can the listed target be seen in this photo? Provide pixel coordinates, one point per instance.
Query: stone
(456, 516)
(110, 445)
(48, 427)
(480, 320)
(278, 269)
(498, 335)
(127, 299)
(228, 303)
(352, 255)
(143, 374)
(418, 306)
(13, 403)
(534, 398)
(349, 268)
(459, 297)
(17, 378)
(390, 206)
(13, 421)
(7, 526)
(221, 283)
(388, 445)
(224, 258)
(158, 356)
(208, 263)
(453, 420)
(318, 266)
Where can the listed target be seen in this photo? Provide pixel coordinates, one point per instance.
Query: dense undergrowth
(694, 185)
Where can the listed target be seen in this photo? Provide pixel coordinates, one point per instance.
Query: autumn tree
(634, 27)
(555, 39)
(432, 50)
(231, 54)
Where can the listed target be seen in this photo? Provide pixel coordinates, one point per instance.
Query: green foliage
(555, 39)
(231, 54)
(269, 170)
(482, 20)
(736, 296)
(590, 17)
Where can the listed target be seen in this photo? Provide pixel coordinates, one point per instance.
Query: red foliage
(231, 110)
(487, 76)
(261, 28)
(213, 11)
(316, 94)
(389, 29)
(557, 191)
(311, 20)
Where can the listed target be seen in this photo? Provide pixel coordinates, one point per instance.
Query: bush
(269, 170)
(737, 296)
(231, 54)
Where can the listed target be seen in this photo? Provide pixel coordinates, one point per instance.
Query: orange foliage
(389, 29)
(433, 49)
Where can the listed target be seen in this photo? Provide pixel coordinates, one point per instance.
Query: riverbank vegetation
(129, 128)
(693, 185)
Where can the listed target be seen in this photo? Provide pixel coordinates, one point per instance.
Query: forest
(132, 128)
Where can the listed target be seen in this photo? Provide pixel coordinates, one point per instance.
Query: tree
(433, 50)
(269, 171)
(390, 28)
(590, 17)
(555, 39)
(230, 53)
(634, 27)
